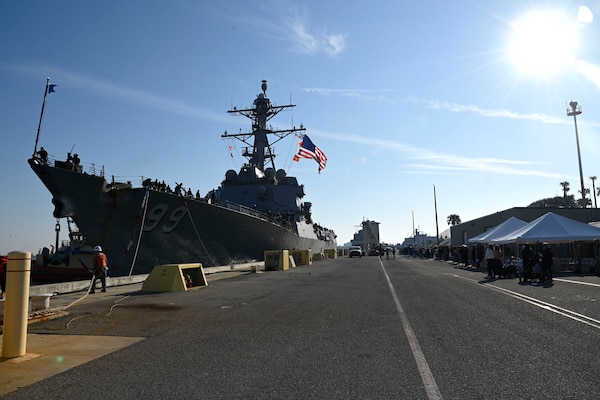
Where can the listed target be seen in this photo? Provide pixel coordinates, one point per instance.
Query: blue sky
(469, 96)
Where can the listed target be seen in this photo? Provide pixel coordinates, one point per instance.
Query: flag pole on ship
(49, 89)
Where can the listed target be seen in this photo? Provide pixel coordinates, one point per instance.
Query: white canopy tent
(551, 228)
(503, 229)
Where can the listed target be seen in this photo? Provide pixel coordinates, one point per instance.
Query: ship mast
(260, 152)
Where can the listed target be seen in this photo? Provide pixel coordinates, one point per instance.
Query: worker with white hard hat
(100, 268)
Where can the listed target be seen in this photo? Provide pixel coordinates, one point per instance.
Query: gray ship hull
(139, 228)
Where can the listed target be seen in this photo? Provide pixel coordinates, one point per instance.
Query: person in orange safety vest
(100, 269)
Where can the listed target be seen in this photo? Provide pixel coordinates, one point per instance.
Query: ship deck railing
(275, 219)
(92, 169)
(84, 168)
(278, 220)
(245, 210)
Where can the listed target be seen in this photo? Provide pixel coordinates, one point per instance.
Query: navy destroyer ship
(254, 209)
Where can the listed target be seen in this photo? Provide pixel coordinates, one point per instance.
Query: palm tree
(565, 186)
(453, 219)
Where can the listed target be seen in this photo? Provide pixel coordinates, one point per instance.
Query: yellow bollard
(16, 307)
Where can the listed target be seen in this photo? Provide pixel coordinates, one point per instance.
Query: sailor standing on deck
(100, 269)
(43, 155)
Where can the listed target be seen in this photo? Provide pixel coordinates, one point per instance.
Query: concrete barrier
(174, 278)
(40, 301)
(302, 257)
(76, 286)
(331, 253)
(277, 260)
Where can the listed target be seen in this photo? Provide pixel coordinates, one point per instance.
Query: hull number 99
(157, 214)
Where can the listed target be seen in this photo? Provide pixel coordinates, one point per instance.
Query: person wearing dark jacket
(547, 263)
(528, 262)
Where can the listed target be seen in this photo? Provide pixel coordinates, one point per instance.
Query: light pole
(593, 178)
(437, 230)
(574, 112)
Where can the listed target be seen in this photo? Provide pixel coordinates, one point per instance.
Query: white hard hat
(97, 248)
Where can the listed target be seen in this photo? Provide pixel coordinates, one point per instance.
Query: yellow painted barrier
(174, 278)
(285, 260)
(277, 260)
(331, 253)
(302, 257)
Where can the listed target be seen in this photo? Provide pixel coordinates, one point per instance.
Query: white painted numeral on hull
(156, 215)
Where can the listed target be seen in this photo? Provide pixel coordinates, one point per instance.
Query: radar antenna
(260, 152)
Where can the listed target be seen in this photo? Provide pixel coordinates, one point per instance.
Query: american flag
(309, 150)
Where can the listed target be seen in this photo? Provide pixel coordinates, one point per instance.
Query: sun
(543, 43)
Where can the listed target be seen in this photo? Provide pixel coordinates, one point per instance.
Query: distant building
(461, 233)
(419, 240)
(368, 237)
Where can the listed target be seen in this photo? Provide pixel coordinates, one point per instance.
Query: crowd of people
(178, 190)
(537, 260)
(535, 265)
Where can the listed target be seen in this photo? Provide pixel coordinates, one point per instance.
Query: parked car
(355, 251)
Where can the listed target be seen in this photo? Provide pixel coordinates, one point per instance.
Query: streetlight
(437, 230)
(593, 178)
(574, 112)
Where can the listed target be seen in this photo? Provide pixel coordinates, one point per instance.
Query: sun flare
(543, 43)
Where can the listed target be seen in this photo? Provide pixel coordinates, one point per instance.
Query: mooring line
(196, 231)
(139, 239)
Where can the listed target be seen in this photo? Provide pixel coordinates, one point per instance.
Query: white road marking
(541, 304)
(577, 282)
(431, 388)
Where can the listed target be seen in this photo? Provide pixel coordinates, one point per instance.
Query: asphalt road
(359, 328)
